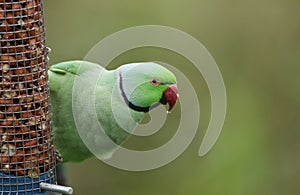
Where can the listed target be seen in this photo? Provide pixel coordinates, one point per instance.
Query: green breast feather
(67, 140)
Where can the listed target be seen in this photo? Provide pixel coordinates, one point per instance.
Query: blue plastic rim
(19, 185)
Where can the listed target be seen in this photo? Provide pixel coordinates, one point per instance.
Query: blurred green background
(257, 47)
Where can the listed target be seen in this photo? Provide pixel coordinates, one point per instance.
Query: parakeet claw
(58, 157)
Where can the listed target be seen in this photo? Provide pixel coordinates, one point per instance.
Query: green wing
(61, 81)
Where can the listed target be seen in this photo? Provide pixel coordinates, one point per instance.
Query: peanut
(26, 141)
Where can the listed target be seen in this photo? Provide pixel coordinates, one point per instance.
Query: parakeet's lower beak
(170, 96)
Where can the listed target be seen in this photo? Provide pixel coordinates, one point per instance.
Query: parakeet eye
(154, 81)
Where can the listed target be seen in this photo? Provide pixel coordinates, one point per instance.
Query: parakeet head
(144, 86)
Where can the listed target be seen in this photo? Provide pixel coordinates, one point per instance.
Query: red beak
(170, 96)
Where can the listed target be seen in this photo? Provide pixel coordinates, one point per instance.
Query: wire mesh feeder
(27, 153)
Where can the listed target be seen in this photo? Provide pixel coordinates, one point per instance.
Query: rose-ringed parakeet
(137, 87)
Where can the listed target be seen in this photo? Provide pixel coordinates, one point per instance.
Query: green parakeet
(136, 87)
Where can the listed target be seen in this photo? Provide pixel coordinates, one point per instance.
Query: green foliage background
(257, 47)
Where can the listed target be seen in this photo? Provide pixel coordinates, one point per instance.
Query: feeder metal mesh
(26, 141)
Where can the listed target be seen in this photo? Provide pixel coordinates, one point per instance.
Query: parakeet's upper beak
(170, 96)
